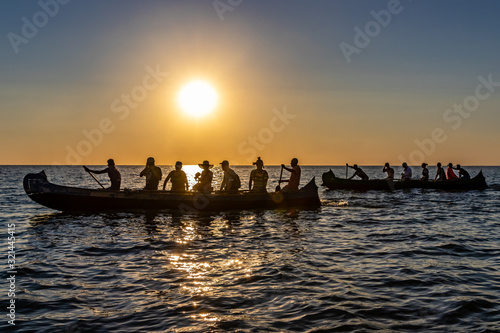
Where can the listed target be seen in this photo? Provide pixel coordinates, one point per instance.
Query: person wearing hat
(390, 171)
(450, 174)
(231, 181)
(205, 180)
(258, 177)
(440, 174)
(462, 173)
(178, 178)
(407, 172)
(425, 172)
(358, 172)
(113, 174)
(152, 173)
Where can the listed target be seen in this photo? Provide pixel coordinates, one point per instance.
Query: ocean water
(408, 261)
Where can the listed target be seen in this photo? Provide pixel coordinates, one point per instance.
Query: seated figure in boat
(205, 178)
(258, 177)
(113, 174)
(425, 172)
(450, 174)
(358, 172)
(152, 173)
(295, 173)
(231, 181)
(407, 172)
(462, 173)
(390, 171)
(178, 178)
(440, 173)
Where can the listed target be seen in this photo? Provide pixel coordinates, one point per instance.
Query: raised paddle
(278, 187)
(93, 177)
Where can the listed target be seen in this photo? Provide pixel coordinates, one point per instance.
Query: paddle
(278, 187)
(93, 177)
(346, 165)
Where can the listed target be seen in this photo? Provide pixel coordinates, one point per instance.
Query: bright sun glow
(197, 98)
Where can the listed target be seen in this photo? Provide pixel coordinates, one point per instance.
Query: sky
(328, 82)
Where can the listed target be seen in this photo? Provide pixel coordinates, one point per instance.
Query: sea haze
(407, 261)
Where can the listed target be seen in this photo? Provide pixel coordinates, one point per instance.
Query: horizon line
(273, 165)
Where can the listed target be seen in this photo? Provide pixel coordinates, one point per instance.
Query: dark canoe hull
(64, 198)
(334, 183)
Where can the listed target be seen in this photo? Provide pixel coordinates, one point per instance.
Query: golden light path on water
(192, 170)
(201, 277)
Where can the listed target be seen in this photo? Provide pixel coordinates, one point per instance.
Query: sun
(197, 98)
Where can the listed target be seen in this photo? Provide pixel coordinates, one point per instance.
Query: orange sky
(80, 95)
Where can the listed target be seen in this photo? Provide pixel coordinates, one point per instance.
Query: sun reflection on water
(205, 275)
(206, 317)
(203, 278)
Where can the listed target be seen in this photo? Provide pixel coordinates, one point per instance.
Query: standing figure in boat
(390, 171)
(462, 173)
(113, 174)
(358, 172)
(407, 172)
(231, 181)
(152, 173)
(178, 178)
(450, 174)
(258, 177)
(205, 179)
(425, 172)
(440, 173)
(295, 173)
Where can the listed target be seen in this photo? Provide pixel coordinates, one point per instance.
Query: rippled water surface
(408, 261)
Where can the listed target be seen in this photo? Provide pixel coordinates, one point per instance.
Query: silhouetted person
(258, 177)
(425, 172)
(390, 171)
(231, 181)
(440, 173)
(295, 173)
(358, 172)
(450, 175)
(462, 174)
(205, 179)
(153, 175)
(178, 178)
(407, 172)
(113, 173)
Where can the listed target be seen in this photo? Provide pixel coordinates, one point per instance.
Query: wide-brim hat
(424, 165)
(205, 164)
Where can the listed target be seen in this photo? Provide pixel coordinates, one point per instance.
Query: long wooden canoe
(333, 183)
(65, 198)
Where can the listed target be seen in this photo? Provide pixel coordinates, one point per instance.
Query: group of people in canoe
(230, 182)
(406, 174)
